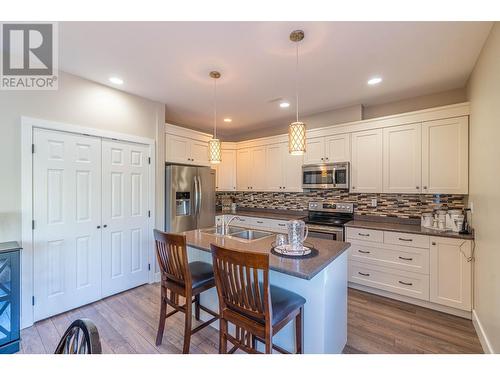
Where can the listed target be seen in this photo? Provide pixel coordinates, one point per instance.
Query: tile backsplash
(391, 205)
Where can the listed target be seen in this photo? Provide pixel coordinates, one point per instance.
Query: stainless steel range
(326, 219)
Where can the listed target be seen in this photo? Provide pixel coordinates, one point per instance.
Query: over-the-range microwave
(326, 176)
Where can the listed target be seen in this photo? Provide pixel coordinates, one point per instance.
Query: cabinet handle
(425, 187)
(260, 222)
(322, 158)
(364, 234)
(354, 187)
(282, 225)
(405, 239)
(402, 282)
(363, 252)
(364, 274)
(433, 244)
(417, 187)
(403, 258)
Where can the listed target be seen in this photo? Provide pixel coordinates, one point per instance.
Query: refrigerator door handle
(200, 195)
(195, 208)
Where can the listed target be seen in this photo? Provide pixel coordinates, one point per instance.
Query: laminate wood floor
(127, 323)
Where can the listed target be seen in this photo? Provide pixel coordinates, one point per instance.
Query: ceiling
(169, 62)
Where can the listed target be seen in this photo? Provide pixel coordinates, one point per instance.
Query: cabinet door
(338, 148)
(445, 156)
(243, 166)
(292, 170)
(274, 167)
(226, 171)
(258, 170)
(366, 166)
(315, 151)
(451, 272)
(178, 149)
(402, 159)
(199, 153)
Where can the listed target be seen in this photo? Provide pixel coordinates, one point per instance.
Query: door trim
(27, 269)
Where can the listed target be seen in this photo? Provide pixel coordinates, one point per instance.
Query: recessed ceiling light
(227, 119)
(284, 104)
(374, 80)
(116, 80)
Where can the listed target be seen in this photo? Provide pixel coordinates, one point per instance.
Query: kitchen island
(321, 280)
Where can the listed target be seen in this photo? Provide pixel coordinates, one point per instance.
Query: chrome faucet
(225, 225)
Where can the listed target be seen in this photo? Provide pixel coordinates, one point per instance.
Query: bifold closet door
(125, 188)
(67, 213)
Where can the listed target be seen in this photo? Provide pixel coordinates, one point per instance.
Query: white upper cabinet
(451, 272)
(402, 159)
(338, 148)
(185, 150)
(243, 169)
(445, 156)
(258, 171)
(275, 167)
(226, 171)
(315, 151)
(292, 170)
(366, 165)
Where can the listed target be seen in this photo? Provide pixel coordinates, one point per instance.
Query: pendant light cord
(215, 108)
(297, 81)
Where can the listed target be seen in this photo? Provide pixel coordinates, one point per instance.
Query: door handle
(195, 208)
(199, 194)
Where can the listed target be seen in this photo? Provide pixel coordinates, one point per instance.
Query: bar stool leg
(163, 313)
(298, 331)
(187, 324)
(222, 336)
(197, 307)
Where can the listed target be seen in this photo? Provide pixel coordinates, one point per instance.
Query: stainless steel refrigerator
(189, 198)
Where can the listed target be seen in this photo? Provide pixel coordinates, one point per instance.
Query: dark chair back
(81, 337)
(172, 257)
(242, 281)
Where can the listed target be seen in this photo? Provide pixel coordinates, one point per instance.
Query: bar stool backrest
(172, 257)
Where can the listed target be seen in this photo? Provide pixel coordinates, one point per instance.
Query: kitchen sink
(250, 235)
(231, 230)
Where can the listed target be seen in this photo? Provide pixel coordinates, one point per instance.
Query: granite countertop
(305, 268)
(405, 228)
(267, 214)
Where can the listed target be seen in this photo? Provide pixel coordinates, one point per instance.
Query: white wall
(484, 190)
(79, 102)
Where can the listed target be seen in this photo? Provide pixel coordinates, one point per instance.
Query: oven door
(319, 176)
(326, 232)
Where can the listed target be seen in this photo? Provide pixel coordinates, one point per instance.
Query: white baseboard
(485, 343)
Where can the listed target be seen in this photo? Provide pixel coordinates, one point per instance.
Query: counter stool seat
(283, 303)
(202, 274)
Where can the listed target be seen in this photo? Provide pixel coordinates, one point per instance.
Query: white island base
(325, 312)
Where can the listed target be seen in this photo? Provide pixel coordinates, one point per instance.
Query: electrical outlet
(251, 198)
(374, 202)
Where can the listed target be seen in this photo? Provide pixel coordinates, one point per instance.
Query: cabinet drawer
(406, 283)
(397, 257)
(365, 234)
(406, 239)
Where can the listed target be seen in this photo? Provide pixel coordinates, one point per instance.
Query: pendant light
(214, 147)
(297, 129)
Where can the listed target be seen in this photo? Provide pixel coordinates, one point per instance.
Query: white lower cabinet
(451, 272)
(427, 268)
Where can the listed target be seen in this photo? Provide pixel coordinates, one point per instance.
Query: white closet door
(66, 209)
(125, 187)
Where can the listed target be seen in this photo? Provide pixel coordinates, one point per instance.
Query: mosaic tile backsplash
(389, 205)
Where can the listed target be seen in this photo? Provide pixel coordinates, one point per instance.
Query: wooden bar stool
(181, 279)
(257, 309)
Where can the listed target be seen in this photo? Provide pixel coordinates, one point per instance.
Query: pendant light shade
(297, 138)
(214, 151)
(214, 146)
(297, 129)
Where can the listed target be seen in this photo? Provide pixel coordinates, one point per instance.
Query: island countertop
(304, 268)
